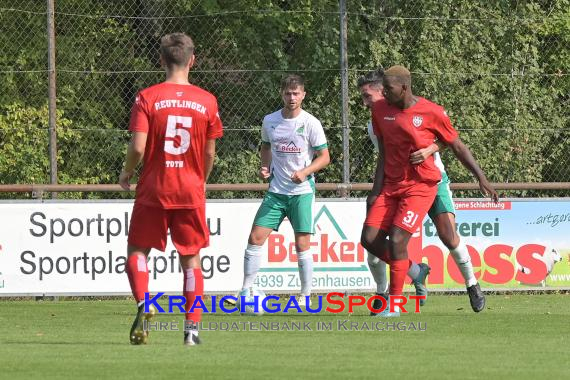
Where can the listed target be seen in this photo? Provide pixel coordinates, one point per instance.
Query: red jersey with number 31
(404, 131)
(178, 120)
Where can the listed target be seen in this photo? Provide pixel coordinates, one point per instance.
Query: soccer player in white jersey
(294, 148)
(442, 212)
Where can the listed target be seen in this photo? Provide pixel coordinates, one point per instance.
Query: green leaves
(499, 68)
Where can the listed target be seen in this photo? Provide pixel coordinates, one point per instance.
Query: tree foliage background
(500, 68)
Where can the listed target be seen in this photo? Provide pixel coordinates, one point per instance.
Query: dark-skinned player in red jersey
(174, 126)
(403, 192)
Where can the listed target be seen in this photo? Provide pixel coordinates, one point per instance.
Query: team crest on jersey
(300, 131)
(417, 121)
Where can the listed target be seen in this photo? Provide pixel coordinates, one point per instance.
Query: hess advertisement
(80, 248)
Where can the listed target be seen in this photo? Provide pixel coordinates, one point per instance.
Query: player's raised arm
(464, 155)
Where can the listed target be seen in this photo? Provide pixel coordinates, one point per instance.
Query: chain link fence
(500, 70)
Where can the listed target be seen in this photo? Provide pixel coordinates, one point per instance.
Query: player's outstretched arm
(135, 153)
(320, 162)
(464, 155)
(265, 161)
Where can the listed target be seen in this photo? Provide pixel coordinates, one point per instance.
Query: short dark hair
(176, 49)
(292, 81)
(373, 78)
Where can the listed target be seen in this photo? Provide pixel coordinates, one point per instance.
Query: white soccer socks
(251, 264)
(463, 260)
(413, 270)
(305, 262)
(378, 269)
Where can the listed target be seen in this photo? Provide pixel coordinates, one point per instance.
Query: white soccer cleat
(303, 300)
(250, 295)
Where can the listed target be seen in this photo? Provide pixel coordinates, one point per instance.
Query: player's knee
(398, 240)
(133, 250)
(399, 244)
(302, 242)
(449, 238)
(255, 239)
(190, 261)
(373, 260)
(366, 241)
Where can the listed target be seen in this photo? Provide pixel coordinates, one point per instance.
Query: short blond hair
(401, 73)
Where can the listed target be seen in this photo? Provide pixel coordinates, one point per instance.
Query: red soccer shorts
(403, 206)
(188, 229)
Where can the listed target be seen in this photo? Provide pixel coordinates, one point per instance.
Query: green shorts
(297, 208)
(443, 200)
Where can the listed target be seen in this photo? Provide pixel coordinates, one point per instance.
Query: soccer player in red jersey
(403, 192)
(442, 212)
(175, 125)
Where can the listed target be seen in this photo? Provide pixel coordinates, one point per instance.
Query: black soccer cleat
(377, 304)
(191, 339)
(476, 298)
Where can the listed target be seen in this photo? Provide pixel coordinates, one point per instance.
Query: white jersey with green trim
(293, 144)
(436, 157)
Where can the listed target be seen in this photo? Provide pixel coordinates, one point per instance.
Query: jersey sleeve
(443, 128)
(139, 121)
(372, 136)
(375, 125)
(215, 128)
(264, 134)
(317, 137)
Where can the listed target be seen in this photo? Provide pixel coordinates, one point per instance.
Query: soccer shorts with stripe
(299, 209)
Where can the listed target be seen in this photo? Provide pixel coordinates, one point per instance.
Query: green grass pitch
(516, 337)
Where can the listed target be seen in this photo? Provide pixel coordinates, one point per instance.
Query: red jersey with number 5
(178, 120)
(404, 131)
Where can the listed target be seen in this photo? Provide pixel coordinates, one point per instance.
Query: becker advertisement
(79, 248)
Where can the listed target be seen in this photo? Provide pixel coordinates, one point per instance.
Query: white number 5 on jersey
(183, 123)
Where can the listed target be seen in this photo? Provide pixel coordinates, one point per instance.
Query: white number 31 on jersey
(410, 218)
